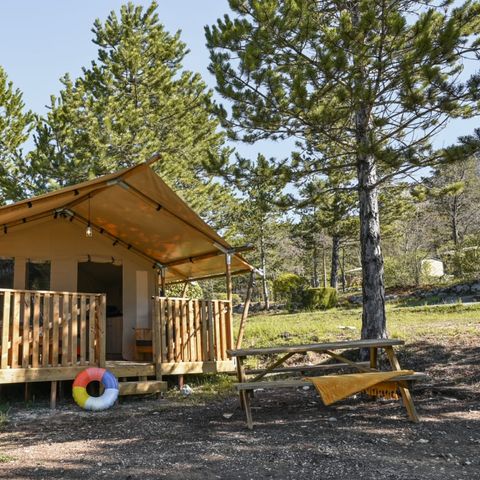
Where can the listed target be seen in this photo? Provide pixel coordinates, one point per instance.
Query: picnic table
(246, 386)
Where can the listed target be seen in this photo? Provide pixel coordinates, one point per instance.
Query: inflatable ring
(104, 401)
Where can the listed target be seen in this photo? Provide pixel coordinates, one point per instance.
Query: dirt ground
(295, 436)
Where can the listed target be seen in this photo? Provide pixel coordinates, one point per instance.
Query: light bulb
(89, 231)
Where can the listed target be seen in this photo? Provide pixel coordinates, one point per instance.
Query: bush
(236, 299)
(194, 290)
(287, 287)
(319, 298)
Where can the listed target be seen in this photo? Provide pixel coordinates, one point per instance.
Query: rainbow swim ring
(104, 401)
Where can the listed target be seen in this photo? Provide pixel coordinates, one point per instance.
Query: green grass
(407, 323)
(6, 458)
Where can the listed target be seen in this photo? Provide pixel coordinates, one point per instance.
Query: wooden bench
(246, 386)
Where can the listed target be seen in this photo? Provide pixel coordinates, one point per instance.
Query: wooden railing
(51, 329)
(188, 330)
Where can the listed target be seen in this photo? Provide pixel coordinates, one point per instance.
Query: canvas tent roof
(136, 209)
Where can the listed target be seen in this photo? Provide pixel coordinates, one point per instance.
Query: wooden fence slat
(178, 331)
(184, 356)
(204, 327)
(101, 329)
(218, 336)
(46, 330)
(55, 329)
(198, 331)
(91, 330)
(17, 299)
(65, 330)
(36, 331)
(83, 329)
(74, 329)
(171, 328)
(191, 331)
(26, 330)
(6, 298)
(222, 344)
(211, 331)
(163, 329)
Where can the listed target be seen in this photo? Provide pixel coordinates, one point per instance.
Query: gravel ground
(295, 436)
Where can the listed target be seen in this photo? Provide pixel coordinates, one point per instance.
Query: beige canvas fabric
(136, 207)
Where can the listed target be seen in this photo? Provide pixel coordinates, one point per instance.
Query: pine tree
(133, 101)
(374, 79)
(15, 127)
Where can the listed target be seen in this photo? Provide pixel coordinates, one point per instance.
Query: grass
(407, 323)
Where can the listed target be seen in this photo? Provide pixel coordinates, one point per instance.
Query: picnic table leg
(404, 390)
(374, 358)
(248, 411)
(241, 379)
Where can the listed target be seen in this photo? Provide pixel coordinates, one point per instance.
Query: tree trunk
(373, 288)
(335, 261)
(343, 270)
(263, 261)
(324, 267)
(315, 281)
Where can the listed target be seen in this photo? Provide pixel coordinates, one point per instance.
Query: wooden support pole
(228, 275)
(229, 306)
(53, 395)
(246, 308)
(185, 289)
(162, 282)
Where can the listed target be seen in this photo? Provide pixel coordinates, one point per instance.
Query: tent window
(6, 272)
(38, 276)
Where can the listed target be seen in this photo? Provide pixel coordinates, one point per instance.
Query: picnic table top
(346, 344)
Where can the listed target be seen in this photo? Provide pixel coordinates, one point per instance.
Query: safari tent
(83, 272)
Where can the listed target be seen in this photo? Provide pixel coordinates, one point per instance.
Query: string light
(89, 229)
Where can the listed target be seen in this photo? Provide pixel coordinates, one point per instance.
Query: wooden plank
(46, 330)
(218, 338)
(142, 388)
(101, 329)
(157, 337)
(273, 384)
(26, 330)
(36, 331)
(312, 347)
(186, 368)
(223, 306)
(6, 298)
(178, 332)
(211, 331)
(191, 331)
(184, 320)
(122, 368)
(74, 329)
(16, 328)
(198, 331)
(171, 329)
(204, 329)
(306, 368)
(163, 319)
(83, 329)
(91, 330)
(404, 391)
(55, 329)
(65, 329)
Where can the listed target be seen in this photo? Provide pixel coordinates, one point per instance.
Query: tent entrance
(97, 277)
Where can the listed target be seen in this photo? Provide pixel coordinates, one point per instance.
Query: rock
(227, 415)
(423, 440)
(186, 390)
(332, 419)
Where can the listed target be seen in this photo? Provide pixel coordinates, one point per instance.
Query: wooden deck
(53, 336)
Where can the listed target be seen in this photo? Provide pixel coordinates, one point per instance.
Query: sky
(41, 40)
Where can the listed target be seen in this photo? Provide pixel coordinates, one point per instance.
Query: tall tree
(133, 101)
(15, 126)
(257, 213)
(375, 79)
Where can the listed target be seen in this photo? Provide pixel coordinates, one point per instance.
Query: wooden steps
(142, 387)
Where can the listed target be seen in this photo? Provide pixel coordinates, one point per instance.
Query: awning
(136, 209)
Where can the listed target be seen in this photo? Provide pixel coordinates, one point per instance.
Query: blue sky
(42, 40)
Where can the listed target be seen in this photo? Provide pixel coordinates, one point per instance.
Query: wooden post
(229, 312)
(157, 336)
(246, 307)
(162, 281)
(101, 312)
(53, 395)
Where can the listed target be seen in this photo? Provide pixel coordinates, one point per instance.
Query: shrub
(288, 288)
(194, 290)
(236, 299)
(319, 298)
